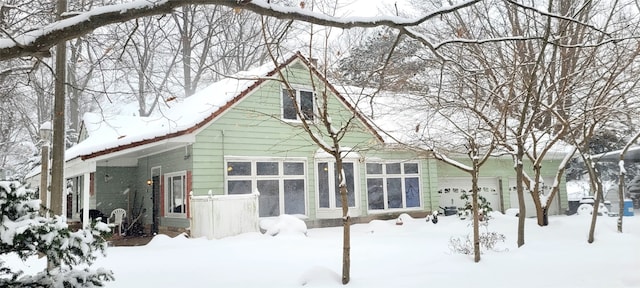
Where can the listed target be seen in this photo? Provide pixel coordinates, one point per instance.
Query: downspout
(501, 194)
(222, 159)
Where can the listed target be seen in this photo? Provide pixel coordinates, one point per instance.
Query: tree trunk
(346, 237)
(558, 180)
(621, 196)
(57, 163)
(346, 222)
(535, 195)
(522, 210)
(474, 211)
(594, 216)
(599, 197)
(540, 210)
(186, 51)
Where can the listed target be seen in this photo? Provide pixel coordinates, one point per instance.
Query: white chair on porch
(118, 216)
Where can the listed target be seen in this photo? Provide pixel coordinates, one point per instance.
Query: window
(281, 184)
(305, 102)
(176, 194)
(328, 190)
(393, 185)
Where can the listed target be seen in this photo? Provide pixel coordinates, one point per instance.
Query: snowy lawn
(383, 254)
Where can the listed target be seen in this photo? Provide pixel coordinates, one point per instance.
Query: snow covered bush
(464, 245)
(487, 240)
(284, 225)
(24, 232)
(484, 207)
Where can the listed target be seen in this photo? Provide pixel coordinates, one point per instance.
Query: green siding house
(239, 136)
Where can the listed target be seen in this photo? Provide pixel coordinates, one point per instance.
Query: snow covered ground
(384, 254)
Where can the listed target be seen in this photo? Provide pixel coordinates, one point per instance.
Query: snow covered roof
(409, 119)
(112, 133)
(633, 154)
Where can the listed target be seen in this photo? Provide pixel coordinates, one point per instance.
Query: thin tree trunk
(522, 210)
(346, 239)
(594, 216)
(186, 50)
(346, 221)
(474, 211)
(621, 194)
(597, 184)
(535, 195)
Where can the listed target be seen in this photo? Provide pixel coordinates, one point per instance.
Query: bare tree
(537, 81)
(622, 173)
(145, 56)
(39, 41)
(551, 71)
(599, 108)
(324, 128)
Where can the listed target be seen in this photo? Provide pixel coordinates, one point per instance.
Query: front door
(70, 205)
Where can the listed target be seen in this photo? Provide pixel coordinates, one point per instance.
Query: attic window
(304, 99)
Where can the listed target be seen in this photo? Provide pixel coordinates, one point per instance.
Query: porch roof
(633, 155)
(109, 134)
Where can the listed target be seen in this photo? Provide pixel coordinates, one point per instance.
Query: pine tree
(24, 232)
(362, 66)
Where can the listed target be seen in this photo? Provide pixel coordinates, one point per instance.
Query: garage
(451, 188)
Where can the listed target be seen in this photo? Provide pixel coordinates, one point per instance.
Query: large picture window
(281, 184)
(393, 185)
(328, 190)
(305, 101)
(176, 194)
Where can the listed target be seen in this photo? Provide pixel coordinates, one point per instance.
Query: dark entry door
(156, 203)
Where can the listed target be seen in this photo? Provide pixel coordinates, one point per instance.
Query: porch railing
(218, 216)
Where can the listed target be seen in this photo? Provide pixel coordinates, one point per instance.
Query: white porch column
(86, 186)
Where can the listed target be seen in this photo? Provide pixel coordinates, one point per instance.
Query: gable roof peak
(110, 133)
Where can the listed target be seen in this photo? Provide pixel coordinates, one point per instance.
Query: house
(241, 135)
(420, 125)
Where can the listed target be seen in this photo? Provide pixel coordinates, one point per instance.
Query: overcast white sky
(364, 8)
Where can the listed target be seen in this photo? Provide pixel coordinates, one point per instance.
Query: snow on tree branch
(24, 232)
(38, 42)
(558, 16)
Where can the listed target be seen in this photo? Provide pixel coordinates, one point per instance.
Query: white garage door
(528, 200)
(451, 188)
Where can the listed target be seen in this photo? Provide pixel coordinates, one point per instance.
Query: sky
(383, 254)
(370, 8)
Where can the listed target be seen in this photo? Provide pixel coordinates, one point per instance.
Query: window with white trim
(393, 185)
(305, 101)
(175, 194)
(281, 184)
(328, 190)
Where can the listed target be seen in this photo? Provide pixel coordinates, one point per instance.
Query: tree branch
(39, 41)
